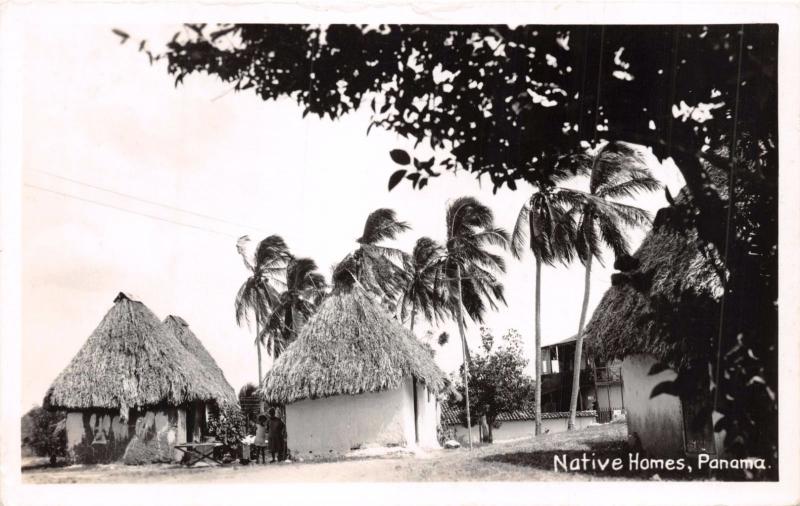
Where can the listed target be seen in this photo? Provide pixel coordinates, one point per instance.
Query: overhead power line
(123, 209)
(147, 201)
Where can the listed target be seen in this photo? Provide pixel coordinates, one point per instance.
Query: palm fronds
(377, 267)
(421, 291)
(545, 226)
(305, 287)
(470, 233)
(258, 293)
(382, 225)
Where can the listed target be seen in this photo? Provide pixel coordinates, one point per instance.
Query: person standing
(277, 431)
(261, 439)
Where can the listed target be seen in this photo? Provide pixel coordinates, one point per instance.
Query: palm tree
(470, 270)
(618, 170)
(375, 265)
(548, 228)
(258, 294)
(305, 288)
(422, 291)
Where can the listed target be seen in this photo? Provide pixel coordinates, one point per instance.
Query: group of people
(270, 432)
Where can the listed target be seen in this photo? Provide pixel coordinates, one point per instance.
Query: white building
(355, 378)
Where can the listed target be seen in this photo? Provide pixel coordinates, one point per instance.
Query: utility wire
(146, 201)
(103, 204)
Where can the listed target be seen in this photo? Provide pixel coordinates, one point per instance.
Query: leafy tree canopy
(510, 102)
(497, 382)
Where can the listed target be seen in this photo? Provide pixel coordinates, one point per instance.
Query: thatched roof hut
(130, 361)
(664, 302)
(350, 346)
(180, 329)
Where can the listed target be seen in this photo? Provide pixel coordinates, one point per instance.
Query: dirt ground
(521, 460)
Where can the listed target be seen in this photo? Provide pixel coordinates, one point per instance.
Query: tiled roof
(451, 416)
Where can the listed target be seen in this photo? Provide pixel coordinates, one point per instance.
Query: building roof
(132, 360)
(454, 416)
(570, 339)
(180, 329)
(665, 303)
(349, 346)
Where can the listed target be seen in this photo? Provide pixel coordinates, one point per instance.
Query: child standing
(261, 439)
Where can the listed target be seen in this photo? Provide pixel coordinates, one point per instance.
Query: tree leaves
(400, 156)
(396, 178)
(665, 387)
(497, 379)
(122, 35)
(658, 368)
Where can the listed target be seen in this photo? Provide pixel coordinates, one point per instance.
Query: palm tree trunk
(258, 349)
(464, 352)
(538, 349)
(576, 373)
(413, 315)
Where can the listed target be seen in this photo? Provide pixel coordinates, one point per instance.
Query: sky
(98, 117)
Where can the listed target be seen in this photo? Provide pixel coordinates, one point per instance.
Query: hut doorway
(195, 422)
(191, 423)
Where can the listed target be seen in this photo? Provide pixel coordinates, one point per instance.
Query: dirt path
(496, 462)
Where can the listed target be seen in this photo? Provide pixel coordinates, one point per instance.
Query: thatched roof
(350, 346)
(665, 302)
(180, 329)
(130, 361)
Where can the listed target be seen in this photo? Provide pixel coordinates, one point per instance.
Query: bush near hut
(44, 432)
(229, 427)
(497, 382)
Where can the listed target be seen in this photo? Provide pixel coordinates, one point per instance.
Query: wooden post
(416, 411)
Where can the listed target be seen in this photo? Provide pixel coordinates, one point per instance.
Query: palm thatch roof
(664, 303)
(130, 361)
(350, 346)
(180, 329)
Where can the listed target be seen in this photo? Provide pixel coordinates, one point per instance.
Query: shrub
(228, 426)
(45, 432)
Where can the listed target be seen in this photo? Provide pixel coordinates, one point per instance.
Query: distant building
(134, 390)
(598, 383)
(513, 425)
(355, 378)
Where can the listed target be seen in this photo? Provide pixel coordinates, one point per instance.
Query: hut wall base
(336, 425)
(656, 423)
(101, 437)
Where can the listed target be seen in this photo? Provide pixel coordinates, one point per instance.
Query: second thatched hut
(355, 378)
(659, 317)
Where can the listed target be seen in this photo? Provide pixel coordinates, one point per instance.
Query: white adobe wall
(658, 422)
(335, 425)
(428, 416)
(145, 437)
